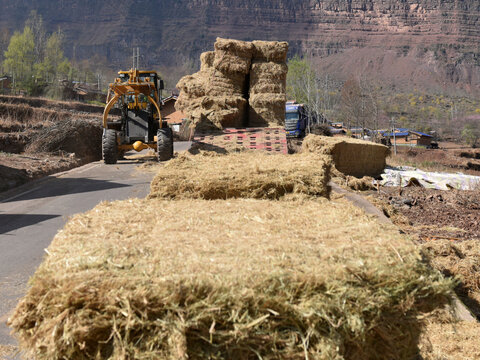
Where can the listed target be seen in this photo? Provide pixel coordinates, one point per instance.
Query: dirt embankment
(446, 225)
(39, 137)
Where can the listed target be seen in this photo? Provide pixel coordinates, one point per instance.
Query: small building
(406, 137)
(5, 84)
(337, 131)
(173, 117)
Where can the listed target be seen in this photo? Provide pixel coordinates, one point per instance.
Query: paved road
(30, 219)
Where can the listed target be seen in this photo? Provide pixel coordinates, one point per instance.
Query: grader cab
(137, 94)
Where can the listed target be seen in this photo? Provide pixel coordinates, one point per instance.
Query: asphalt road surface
(30, 219)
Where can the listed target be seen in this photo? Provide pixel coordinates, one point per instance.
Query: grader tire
(164, 144)
(109, 147)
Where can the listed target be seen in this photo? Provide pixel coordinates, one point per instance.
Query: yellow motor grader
(137, 94)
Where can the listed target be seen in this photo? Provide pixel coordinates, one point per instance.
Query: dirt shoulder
(40, 137)
(436, 214)
(18, 169)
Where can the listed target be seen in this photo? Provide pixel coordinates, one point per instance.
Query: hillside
(424, 43)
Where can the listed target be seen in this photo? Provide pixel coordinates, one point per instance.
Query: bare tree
(359, 104)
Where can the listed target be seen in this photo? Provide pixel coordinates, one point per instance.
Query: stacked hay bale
(351, 156)
(217, 96)
(268, 78)
(214, 97)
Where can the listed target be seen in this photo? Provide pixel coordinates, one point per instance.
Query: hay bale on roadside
(233, 56)
(270, 50)
(237, 279)
(242, 175)
(353, 157)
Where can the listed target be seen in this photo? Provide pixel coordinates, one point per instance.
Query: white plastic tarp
(408, 176)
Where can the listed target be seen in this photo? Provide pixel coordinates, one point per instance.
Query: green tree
(54, 65)
(35, 23)
(471, 134)
(303, 85)
(4, 39)
(20, 57)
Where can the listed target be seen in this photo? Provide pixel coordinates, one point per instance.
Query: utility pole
(394, 137)
(136, 58)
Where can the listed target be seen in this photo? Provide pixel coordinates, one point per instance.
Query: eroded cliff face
(437, 41)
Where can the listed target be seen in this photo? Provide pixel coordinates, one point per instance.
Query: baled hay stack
(233, 56)
(268, 77)
(268, 84)
(353, 157)
(238, 279)
(222, 85)
(242, 175)
(206, 61)
(224, 111)
(270, 50)
(193, 86)
(267, 110)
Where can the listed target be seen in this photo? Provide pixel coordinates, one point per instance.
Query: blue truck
(296, 119)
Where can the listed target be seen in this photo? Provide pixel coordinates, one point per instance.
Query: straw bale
(192, 86)
(353, 157)
(270, 50)
(236, 47)
(236, 279)
(268, 70)
(233, 56)
(220, 84)
(267, 110)
(206, 60)
(268, 78)
(242, 175)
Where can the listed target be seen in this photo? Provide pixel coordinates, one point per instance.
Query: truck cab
(296, 119)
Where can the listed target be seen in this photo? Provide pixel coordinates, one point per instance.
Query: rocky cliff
(434, 43)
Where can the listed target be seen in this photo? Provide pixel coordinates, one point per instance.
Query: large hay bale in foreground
(242, 175)
(353, 157)
(237, 279)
